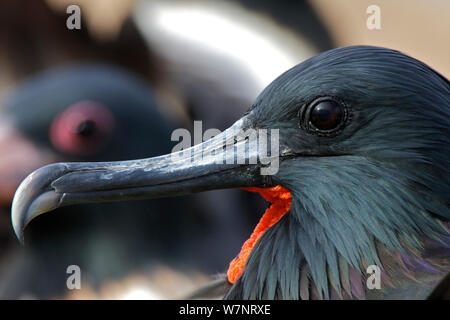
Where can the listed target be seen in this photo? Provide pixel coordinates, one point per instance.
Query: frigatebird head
(362, 144)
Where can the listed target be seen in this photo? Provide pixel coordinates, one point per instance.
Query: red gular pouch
(280, 199)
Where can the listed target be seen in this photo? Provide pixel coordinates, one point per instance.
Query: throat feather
(280, 199)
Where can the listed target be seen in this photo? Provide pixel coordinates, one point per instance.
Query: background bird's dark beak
(19, 157)
(213, 164)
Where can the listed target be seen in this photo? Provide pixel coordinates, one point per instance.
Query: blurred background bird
(202, 60)
(83, 108)
(93, 112)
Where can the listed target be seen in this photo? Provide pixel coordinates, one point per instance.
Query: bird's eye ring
(83, 129)
(323, 116)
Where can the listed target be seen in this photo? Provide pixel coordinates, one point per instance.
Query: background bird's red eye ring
(82, 129)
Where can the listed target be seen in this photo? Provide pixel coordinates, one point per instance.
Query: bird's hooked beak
(213, 164)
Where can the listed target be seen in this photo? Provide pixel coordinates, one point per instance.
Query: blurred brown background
(419, 28)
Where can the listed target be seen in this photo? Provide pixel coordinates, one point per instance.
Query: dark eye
(82, 129)
(323, 116)
(326, 115)
(87, 128)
